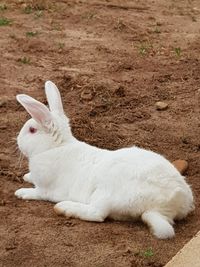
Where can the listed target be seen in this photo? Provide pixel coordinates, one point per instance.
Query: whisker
(12, 142)
(21, 158)
(15, 149)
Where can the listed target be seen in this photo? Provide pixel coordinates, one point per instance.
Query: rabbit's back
(123, 176)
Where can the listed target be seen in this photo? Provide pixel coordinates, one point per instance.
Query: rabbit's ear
(36, 109)
(53, 97)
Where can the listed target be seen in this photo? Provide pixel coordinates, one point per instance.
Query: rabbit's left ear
(53, 97)
(36, 109)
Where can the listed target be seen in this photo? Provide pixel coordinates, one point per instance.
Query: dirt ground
(112, 60)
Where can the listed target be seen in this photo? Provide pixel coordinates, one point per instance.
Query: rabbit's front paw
(61, 208)
(27, 193)
(27, 178)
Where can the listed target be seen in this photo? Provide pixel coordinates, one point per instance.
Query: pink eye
(32, 130)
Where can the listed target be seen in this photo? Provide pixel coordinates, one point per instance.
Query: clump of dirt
(112, 60)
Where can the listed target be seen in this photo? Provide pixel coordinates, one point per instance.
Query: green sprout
(31, 34)
(144, 49)
(38, 14)
(24, 60)
(177, 50)
(61, 45)
(28, 9)
(157, 30)
(5, 21)
(148, 253)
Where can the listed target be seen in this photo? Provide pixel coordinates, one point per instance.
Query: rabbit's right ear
(36, 109)
(53, 97)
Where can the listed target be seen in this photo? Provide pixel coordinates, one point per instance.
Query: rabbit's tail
(159, 224)
(181, 203)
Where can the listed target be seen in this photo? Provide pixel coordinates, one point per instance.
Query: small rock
(4, 100)
(181, 165)
(161, 105)
(11, 247)
(128, 250)
(159, 23)
(24, 5)
(120, 91)
(2, 103)
(2, 203)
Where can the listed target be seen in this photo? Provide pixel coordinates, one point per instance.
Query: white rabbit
(90, 183)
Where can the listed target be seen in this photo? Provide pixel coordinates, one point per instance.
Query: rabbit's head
(48, 128)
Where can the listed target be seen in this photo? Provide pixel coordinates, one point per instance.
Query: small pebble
(24, 5)
(161, 105)
(181, 165)
(2, 203)
(2, 103)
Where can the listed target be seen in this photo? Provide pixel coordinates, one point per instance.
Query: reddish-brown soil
(112, 60)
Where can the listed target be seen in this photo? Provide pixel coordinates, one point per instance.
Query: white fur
(91, 183)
